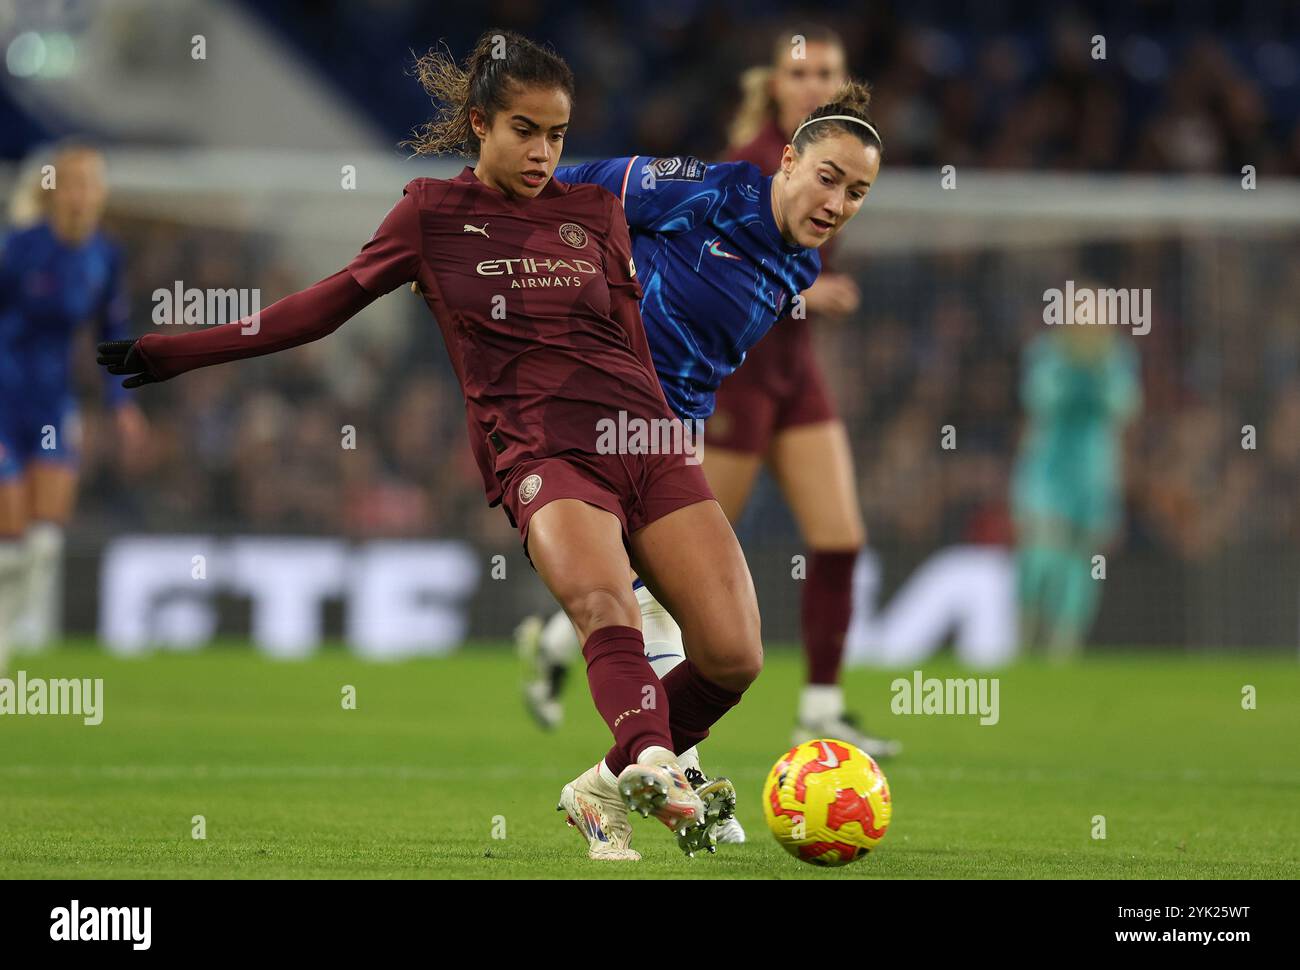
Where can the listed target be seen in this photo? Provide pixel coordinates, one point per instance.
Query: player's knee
(733, 657)
(747, 665)
(735, 669)
(847, 536)
(593, 607)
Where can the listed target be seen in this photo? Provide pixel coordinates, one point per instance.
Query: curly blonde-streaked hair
(500, 58)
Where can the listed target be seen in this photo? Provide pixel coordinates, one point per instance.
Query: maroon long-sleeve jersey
(537, 300)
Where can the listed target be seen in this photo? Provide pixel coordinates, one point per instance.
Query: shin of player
(13, 563)
(38, 622)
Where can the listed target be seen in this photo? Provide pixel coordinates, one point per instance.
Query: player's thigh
(13, 508)
(730, 475)
(577, 550)
(813, 465)
(51, 491)
(694, 566)
(13, 489)
(740, 431)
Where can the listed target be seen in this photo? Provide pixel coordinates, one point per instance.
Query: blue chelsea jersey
(47, 290)
(715, 272)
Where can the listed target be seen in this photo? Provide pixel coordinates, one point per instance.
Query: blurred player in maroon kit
(776, 409)
(532, 284)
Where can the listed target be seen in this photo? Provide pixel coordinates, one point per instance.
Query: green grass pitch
(438, 753)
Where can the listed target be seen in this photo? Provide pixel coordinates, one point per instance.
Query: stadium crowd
(1181, 88)
(937, 342)
(262, 447)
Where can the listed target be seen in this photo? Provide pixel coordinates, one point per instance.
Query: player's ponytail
(756, 106)
(32, 193)
(499, 59)
(28, 203)
(847, 113)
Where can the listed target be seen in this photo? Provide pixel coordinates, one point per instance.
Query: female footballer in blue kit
(777, 411)
(55, 275)
(723, 252)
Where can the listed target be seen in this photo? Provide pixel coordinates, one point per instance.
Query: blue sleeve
(664, 195)
(607, 173)
(115, 322)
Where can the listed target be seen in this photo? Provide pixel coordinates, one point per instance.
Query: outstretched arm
(390, 259)
(298, 319)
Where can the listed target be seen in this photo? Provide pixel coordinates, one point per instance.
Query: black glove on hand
(122, 357)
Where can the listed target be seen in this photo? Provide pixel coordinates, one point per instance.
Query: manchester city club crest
(574, 235)
(529, 488)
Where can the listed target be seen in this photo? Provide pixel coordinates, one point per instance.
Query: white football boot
(729, 832)
(595, 808)
(719, 798)
(657, 786)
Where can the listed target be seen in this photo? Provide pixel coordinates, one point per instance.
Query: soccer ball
(827, 802)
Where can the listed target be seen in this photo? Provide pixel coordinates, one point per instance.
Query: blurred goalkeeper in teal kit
(1080, 389)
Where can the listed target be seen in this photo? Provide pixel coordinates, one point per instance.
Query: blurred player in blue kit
(56, 275)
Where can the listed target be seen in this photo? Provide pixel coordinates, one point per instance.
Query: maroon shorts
(638, 489)
(779, 386)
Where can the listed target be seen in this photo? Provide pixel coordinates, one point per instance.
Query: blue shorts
(37, 431)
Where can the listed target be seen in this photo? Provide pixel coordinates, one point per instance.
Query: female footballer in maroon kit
(776, 408)
(568, 351)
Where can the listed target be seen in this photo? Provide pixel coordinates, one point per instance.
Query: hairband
(813, 121)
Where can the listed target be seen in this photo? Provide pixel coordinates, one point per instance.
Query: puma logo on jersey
(482, 232)
(713, 248)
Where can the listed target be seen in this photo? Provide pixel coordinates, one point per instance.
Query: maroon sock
(619, 676)
(694, 705)
(827, 603)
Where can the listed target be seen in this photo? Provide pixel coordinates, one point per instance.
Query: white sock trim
(656, 754)
(821, 702)
(606, 775)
